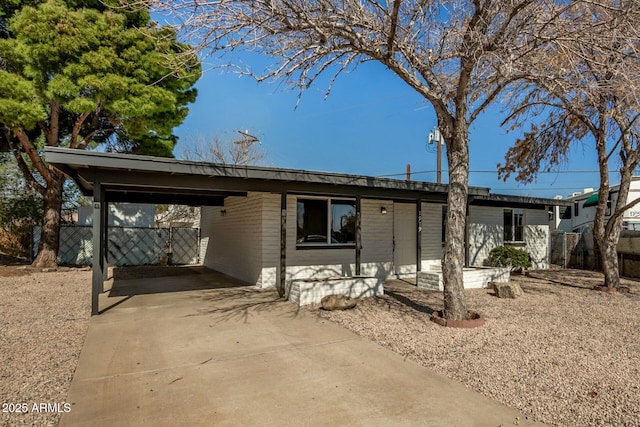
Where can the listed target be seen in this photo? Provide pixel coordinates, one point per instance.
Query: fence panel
(569, 250)
(184, 246)
(558, 252)
(125, 246)
(137, 246)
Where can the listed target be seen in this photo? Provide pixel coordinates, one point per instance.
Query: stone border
(618, 290)
(475, 320)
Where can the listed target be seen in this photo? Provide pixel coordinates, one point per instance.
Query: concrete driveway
(223, 354)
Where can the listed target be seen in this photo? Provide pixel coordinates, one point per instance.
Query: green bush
(508, 256)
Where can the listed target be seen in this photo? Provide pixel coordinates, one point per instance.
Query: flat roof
(147, 179)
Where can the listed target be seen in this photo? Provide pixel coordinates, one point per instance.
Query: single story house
(285, 227)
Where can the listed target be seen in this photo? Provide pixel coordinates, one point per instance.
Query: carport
(112, 177)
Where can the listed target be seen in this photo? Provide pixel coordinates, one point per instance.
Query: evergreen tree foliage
(80, 74)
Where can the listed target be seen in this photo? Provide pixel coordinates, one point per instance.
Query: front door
(405, 238)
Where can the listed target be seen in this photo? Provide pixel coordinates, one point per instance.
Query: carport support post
(104, 211)
(358, 234)
(97, 267)
(283, 245)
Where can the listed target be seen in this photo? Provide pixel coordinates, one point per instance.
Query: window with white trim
(325, 222)
(514, 225)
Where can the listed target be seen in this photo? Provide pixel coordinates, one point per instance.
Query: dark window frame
(342, 237)
(514, 223)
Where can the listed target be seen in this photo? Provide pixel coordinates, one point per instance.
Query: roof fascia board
(77, 159)
(189, 183)
(508, 200)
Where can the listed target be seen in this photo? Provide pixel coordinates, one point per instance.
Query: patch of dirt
(11, 266)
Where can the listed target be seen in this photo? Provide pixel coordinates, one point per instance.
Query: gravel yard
(563, 354)
(44, 319)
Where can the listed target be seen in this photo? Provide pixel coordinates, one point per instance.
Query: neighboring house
(582, 213)
(272, 227)
(122, 215)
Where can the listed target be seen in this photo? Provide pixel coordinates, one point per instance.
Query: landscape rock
(337, 302)
(507, 289)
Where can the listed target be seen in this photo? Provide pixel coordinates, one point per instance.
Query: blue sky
(372, 123)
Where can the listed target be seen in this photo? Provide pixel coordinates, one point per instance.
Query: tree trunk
(609, 255)
(50, 234)
(453, 258)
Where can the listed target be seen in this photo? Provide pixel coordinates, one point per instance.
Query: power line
(495, 171)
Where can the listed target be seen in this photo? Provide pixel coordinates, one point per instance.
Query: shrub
(508, 256)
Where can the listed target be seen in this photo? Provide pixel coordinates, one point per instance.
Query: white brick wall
(270, 274)
(206, 213)
(537, 237)
(245, 243)
(486, 231)
(235, 239)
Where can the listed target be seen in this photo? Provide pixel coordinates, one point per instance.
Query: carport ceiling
(130, 178)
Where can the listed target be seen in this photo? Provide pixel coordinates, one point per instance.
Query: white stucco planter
(473, 277)
(309, 291)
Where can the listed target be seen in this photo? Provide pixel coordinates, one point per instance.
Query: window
(575, 208)
(513, 225)
(326, 222)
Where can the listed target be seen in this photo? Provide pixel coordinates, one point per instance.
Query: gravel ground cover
(43, 322)
(563, 354)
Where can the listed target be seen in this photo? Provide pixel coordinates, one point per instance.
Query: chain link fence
(126, 245)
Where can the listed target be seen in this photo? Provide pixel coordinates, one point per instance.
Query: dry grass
(14, 244)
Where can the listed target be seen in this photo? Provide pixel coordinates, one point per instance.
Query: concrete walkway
(220, 354)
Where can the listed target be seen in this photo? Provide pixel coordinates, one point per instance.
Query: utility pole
(246, 140)
(436, 136)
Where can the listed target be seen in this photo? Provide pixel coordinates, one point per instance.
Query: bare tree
(216, 150)
(211, 149)
(457, 54)
(589, 89)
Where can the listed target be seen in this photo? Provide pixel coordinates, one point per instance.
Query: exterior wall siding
(431, 235)
(245, 242)
(270, 272)
(537, 236)
(206, 230)
(376, 256)
(234, 240)
(486, 231)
